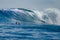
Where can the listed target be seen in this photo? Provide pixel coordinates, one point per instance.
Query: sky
(30, 4)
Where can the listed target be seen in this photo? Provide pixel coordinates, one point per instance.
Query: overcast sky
(31, 4)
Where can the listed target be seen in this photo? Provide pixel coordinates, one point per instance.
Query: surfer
(17, 23)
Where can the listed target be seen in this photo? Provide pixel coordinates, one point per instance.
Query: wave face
(22, 16)
(13, 15)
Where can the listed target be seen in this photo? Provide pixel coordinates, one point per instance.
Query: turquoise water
(30, 32)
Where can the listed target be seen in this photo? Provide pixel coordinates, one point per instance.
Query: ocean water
(25, 24)
(30, 32)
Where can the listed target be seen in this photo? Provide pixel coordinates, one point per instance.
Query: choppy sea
(29, 32)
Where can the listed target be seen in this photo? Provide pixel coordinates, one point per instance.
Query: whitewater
(26, 24)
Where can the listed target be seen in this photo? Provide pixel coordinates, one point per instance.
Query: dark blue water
(29, 32)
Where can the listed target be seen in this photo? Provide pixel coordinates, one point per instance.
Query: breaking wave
(26, 16)
(10, 31)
